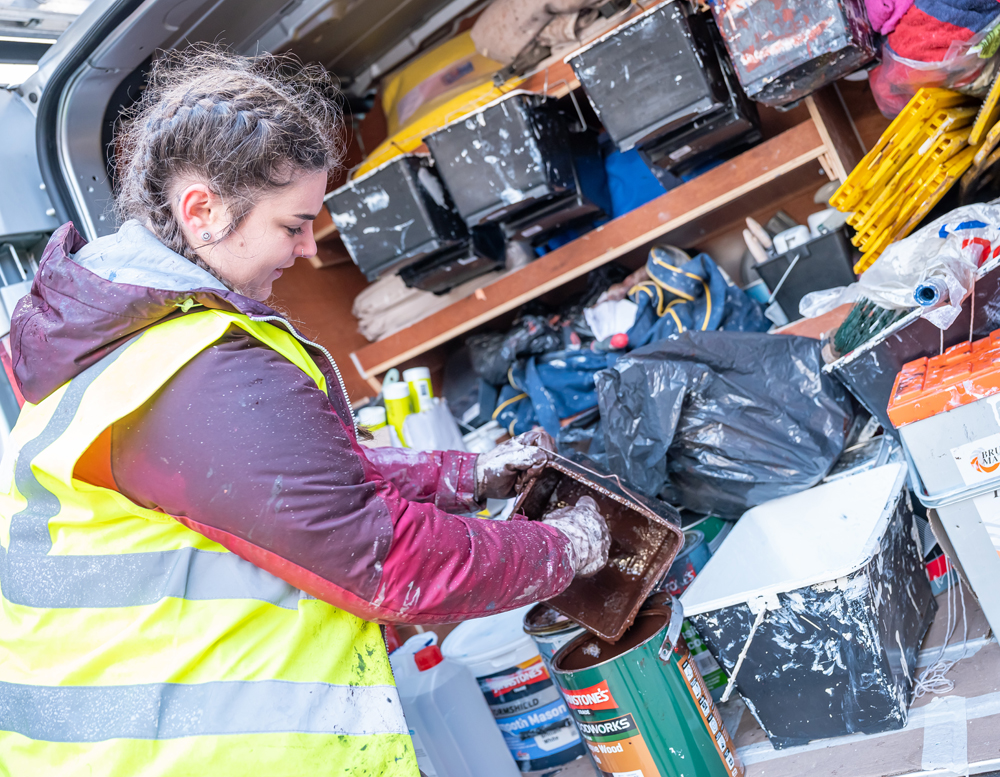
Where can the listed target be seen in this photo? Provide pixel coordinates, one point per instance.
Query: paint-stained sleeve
(242, 447)
(448, 478)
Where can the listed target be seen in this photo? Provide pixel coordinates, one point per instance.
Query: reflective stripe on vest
(119, 625)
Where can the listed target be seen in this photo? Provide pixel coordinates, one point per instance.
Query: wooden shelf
(677, 211)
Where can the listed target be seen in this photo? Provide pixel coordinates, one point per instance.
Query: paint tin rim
(656, 610)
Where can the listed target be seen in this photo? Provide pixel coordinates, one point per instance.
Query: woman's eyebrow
(305, 217)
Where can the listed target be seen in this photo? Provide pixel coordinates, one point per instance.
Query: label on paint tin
(709, 714)
(618, 747)
(530, 712)
(596, 697)
(713, 674)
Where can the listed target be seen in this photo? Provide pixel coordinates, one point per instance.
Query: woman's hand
(501, 472)
(588, 535)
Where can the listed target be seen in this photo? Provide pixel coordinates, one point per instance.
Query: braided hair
(243, 125)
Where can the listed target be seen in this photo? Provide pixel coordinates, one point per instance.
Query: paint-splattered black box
(396, 214)
(826, 594)
(785, 51)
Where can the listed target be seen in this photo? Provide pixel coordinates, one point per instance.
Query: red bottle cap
(428, 657)
(619, 341)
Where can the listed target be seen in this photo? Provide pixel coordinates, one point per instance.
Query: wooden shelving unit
(785, 163)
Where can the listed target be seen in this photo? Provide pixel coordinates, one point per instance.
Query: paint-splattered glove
(587, 532)
(502, 472)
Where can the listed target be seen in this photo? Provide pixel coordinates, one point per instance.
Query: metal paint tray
(396, 214)
(834, 580)
(645, 538)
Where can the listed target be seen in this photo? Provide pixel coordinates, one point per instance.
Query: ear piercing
(206, 236)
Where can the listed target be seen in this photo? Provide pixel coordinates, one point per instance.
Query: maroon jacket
(242, 447)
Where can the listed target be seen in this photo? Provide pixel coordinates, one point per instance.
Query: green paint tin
(641, 703)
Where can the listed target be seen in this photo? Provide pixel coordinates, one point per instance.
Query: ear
(200, 210)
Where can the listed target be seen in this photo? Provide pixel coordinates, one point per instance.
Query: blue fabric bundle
(548, 389)
(693, 295)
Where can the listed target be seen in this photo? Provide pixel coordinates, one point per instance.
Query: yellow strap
(508, 402)
(137, 371)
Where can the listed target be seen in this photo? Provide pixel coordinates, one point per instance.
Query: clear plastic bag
(896, 79)
(948, 250)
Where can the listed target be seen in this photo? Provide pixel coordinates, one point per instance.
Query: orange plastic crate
(963, 374)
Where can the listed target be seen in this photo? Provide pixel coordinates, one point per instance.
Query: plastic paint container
(418, 379)
(689, 562)
(714, 528)
(550, 630)
(397, 406)
(519, 690)
(641, 703)
(373, 418)
(375, 421)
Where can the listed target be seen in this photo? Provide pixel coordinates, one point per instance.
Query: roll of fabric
(508, 27)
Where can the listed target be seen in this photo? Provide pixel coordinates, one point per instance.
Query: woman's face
(273, 235)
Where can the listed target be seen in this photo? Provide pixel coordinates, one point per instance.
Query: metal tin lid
(544, 620)
(963, 374)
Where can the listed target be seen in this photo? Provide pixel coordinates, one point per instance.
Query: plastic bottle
(421, 393)
(452, 728)
(374, 419)
(397, 406)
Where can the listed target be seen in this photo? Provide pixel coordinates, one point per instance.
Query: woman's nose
(308, 244)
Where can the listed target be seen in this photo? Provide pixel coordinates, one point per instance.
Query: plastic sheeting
(719, 422)
(948, 250)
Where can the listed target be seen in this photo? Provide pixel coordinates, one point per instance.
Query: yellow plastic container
(397, 406)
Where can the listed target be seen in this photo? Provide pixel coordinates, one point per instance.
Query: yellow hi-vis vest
(131, 646)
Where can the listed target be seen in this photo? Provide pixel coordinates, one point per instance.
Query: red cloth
(922, 37)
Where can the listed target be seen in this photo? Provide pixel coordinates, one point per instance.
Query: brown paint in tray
(645, 538)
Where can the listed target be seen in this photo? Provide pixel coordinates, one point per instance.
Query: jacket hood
(88, 299)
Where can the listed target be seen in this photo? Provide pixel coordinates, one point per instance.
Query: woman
(195, 547)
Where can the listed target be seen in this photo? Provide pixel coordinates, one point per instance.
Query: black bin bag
(718, 422)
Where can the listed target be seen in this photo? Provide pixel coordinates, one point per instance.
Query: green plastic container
(641, 703)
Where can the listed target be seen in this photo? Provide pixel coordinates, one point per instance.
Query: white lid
(490, 645)
(816, 536)
(395, 390)
(371, 416)
(416, 373)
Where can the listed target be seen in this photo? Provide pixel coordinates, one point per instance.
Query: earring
(206, 236)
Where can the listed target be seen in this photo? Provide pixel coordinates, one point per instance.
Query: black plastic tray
(504, 159)
(395, 215)
(824, 262)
